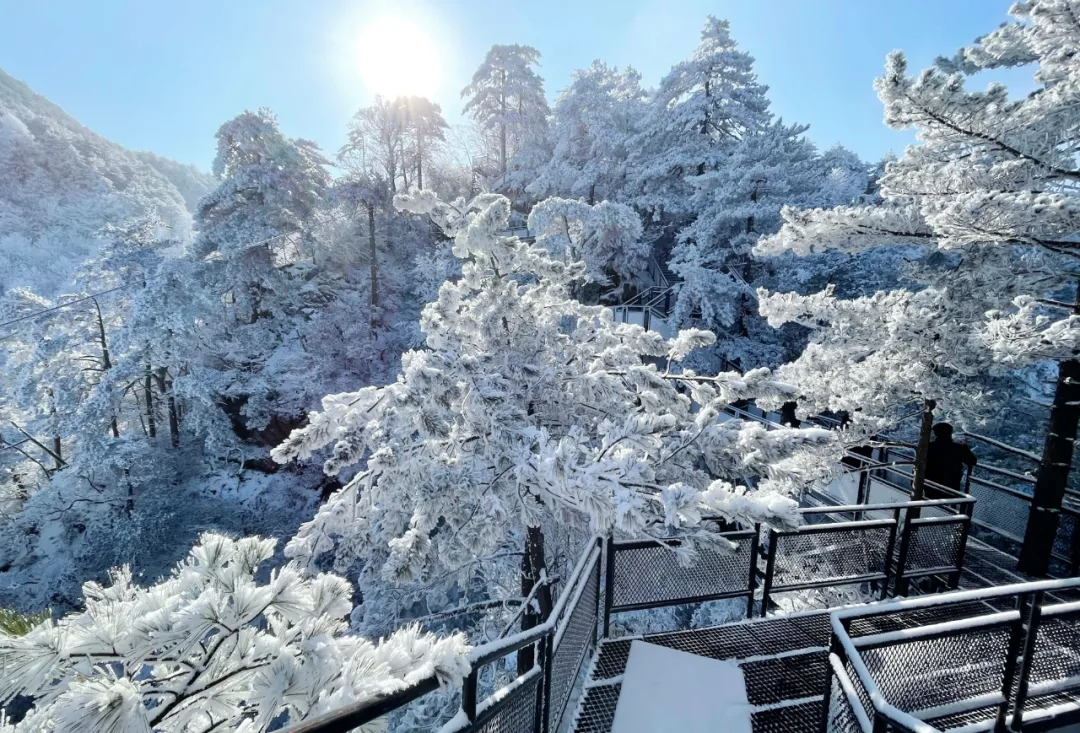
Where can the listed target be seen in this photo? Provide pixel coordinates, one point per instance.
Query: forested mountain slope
(60, 183)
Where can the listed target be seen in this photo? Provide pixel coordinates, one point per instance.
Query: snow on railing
(1000, 511)
(1004, 668)
(532, 702)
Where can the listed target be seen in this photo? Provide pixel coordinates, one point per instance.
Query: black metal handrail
(915, 643)
(477, 713)
(743, 586)
(894, 552)
(349, 717)
(536, 687)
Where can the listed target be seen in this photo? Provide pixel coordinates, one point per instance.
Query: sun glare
(397, 57)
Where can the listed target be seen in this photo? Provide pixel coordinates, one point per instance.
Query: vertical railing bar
(751, 584)
(965, 528)
(770, 565)
(596, 617)
(1026, 660)
(862, 496)
(900, 587)
(468, 694)
(890, 546)
(543, 700)
(835, 647)
(1012, 653)
(609, 582)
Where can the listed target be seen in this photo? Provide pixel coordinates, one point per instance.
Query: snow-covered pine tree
(736, 201)
(990, 195)
(425, 128)
(211, 647)
(529, 415)
(605, 236)
(593, 122)
(247, 271)
(506, 97)
(702, 107)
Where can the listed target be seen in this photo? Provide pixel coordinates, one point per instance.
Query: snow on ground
(669, 690)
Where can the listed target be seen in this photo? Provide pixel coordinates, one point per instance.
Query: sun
(397, 57)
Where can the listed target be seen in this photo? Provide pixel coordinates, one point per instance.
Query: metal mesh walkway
(783, 661)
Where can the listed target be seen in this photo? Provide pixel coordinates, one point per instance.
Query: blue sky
(162, 76)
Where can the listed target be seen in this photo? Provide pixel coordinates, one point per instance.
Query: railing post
(599, 569)
(770, 565)
(543, 700)
(965, 528)
(862, 497)
(609, 581)
(468, 695)
(900, 588)
(1012, 653)
(1026, 659)
(889, 547)
(835, 647)
(751, 585)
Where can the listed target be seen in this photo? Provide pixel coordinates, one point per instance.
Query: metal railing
(1003, 497)
(1003, 506)
(657, 275)
(646, 574)
(832, 548)
(652, 303)
(881, 546)
(533, 702)
(993, 659)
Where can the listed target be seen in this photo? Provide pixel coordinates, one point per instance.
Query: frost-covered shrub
(211, 648)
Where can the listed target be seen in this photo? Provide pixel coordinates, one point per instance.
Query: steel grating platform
(783, 660)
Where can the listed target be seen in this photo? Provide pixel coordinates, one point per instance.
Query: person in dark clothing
(945, 461)
(787, 415)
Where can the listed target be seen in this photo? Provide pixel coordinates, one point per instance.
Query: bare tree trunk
(392, 161)
(592, 194)
(404, 168)
(750, 219)
(373, 254)
(919, 476)
(502, 128)
(1053, 476)
(533, 571)
(58, 459)
(705, 124)
(419, 164)
(161, 376)
(148, 395)
(106, 362)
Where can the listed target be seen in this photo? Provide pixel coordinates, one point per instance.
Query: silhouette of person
(787, 415)
(945, 461)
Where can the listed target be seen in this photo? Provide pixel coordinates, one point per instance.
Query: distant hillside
(61, 182)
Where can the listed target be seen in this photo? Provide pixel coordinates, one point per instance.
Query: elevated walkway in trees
(812, 616)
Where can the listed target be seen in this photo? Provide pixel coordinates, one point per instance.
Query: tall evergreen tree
(506, 97)
(593, 122)
(702, 107)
